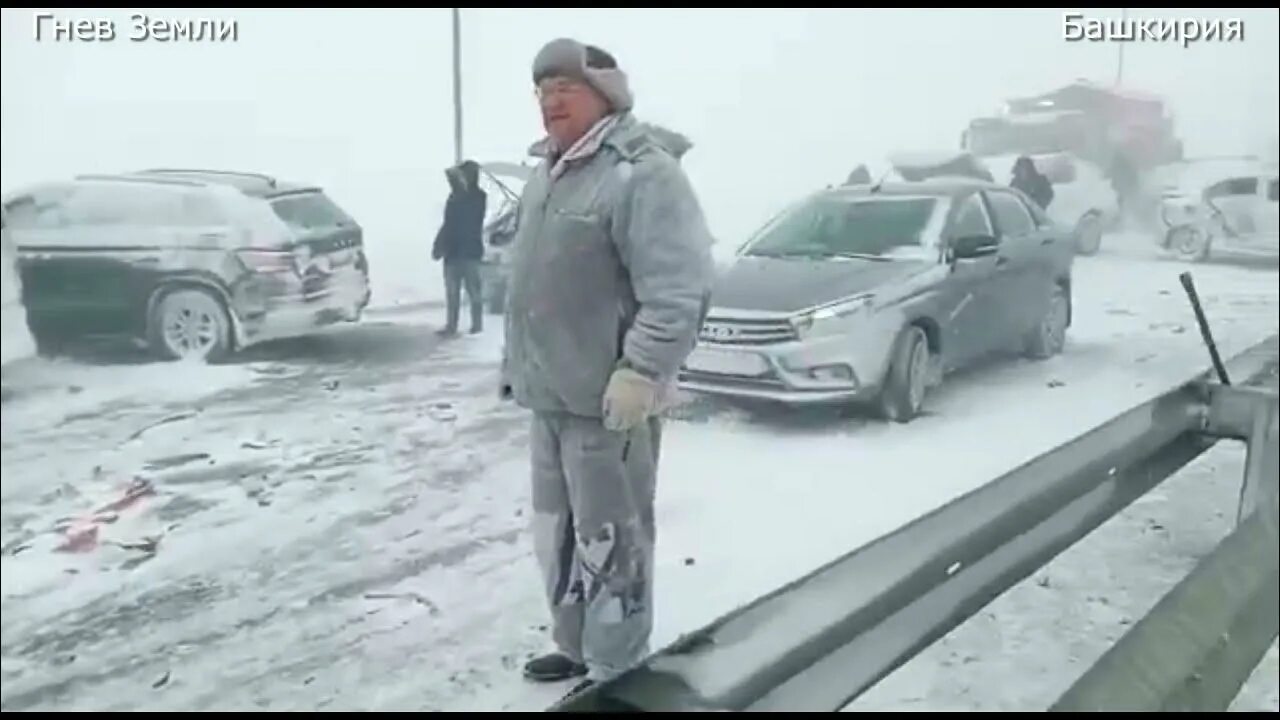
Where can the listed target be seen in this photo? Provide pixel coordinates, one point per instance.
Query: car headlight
(815, 320)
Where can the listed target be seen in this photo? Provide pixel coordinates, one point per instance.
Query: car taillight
(268, 261)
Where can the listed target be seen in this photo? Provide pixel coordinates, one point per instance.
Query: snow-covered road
(340, 523)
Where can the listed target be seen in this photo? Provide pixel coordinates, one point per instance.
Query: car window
(1233, 186)
(824, 226)
(1273, 190)
(36, 212)
(309, 211)
(201, 210)
(123, 204)
(971, 219)
(1012, 216)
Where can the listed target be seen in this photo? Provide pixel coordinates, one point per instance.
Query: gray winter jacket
(611, 263)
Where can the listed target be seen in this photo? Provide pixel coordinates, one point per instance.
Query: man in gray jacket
(611, 271)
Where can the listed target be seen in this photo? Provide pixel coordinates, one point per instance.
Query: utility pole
(457, 87)
(1124, 16)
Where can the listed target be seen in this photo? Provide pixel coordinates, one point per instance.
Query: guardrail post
(1262, 466)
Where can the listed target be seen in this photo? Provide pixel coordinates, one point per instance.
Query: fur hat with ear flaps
(588, 63)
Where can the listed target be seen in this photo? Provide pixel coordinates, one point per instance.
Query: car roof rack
(137, 179)
(197, 171)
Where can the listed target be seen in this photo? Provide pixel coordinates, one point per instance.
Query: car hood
(794, 284)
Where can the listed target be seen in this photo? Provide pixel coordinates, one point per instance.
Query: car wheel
(189, 324)
(903, 396)
(1089, 234)
(1190, 243)
(1049, 336)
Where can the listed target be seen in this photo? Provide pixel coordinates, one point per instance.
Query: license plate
(726, 362)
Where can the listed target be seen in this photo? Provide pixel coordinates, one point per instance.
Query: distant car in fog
(1083, 198)
(194, 263)
(502, 183)
(18, 342)
(871, 294)
(1230, 208)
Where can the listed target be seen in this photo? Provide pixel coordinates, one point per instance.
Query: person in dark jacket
(1031, 182)
(460, 244)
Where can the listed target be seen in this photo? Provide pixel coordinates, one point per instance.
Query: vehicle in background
(1104, 139)
(195, 264)
(502, 183)
(872, 294)
(1084, 201)
(917, 166)
(1085, 119)
(1222, 206)
(18, 342)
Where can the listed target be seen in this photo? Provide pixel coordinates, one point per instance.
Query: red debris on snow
(79, 539)
(138, 489)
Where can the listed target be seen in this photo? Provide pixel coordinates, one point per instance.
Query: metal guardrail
(1195, 649)
(819, 642)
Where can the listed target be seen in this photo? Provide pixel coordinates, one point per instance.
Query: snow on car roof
(930, 188)
(926, 158)
(1193, 175)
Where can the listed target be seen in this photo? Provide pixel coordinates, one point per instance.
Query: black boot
(553, 668)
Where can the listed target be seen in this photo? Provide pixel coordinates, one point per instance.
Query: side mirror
(970, 247)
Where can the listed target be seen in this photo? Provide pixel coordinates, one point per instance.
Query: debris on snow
(136, 490)
(79, 539)
(163, 421)
(417, 598)
(173, 461)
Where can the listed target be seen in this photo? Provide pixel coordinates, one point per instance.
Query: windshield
(880, 228)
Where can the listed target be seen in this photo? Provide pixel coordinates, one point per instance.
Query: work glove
(629, 399)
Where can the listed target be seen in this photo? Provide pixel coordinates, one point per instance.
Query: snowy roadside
(1043, 633)
(350, 532)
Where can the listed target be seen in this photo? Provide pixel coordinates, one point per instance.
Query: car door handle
(1001, 261)
(1047, 241)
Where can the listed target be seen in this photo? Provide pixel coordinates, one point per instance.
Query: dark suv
(194, 263)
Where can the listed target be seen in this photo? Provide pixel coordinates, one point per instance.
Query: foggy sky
(777, 102)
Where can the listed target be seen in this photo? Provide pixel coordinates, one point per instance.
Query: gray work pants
(459, 273)
(594, 534)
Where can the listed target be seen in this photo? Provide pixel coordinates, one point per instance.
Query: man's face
(569, 108)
